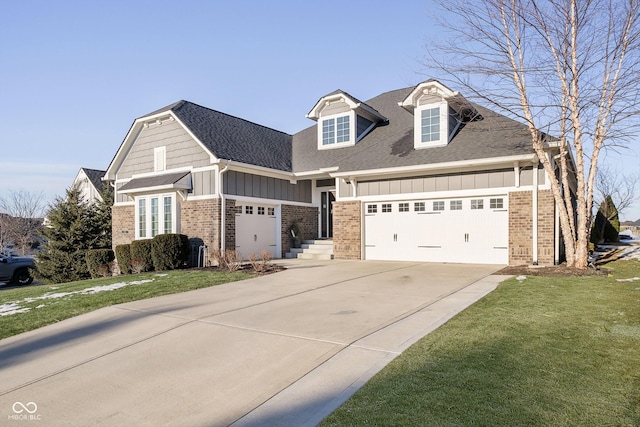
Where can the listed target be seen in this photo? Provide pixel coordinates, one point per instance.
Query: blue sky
(75, 74)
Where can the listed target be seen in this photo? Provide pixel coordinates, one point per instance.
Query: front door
(326, 214)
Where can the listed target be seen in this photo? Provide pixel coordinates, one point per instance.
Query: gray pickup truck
(14, 269)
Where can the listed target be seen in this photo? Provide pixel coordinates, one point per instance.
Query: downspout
(223, 214)
(534, 211)
(556, 225)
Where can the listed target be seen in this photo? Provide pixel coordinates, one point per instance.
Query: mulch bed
(552, 271)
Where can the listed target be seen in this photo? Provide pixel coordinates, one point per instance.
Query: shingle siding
(182, 150)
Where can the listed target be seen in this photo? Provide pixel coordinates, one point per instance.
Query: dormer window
(343, 120)
(336, 130)
(438, 113)
(431, 125)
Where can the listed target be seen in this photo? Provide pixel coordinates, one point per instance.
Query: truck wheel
(22, 276)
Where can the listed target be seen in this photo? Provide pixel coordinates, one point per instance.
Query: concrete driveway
(283, 349)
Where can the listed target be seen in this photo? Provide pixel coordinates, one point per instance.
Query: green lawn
(545, 351)
(46, 304)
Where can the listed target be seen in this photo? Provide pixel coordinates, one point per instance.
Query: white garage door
(256, 230)
(464, 230)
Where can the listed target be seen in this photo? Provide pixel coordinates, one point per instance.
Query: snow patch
(15, 307)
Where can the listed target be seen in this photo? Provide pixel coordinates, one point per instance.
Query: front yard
(538, 351)
(25, 309)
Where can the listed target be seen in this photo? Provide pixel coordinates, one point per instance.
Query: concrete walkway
(284, 349)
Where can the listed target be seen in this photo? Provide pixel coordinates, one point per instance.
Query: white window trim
(161, 230)
(352, 131)
(444, 126)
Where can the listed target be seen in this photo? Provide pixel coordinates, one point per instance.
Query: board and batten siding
(250, 185)
(182, 150)
(203, 183)
(446, 182)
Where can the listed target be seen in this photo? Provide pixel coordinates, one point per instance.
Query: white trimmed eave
(314, 114)
(317, 174)
(134, 132)
(464, 165)
(256, 170)
(432, 86)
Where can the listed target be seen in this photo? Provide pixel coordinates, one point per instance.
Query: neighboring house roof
(233, 138)
(95, 176)
(490, 135)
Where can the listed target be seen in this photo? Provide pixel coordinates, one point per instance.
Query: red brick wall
(307, 218)
(521, 228)
(200, 221)
(123, 226)
(347, 230)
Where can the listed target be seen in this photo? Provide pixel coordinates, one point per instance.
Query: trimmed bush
(123, 256)
(98, 261)
(141, 254)
(170, 251)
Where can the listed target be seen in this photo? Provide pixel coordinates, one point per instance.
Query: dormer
(437, 112)
(343, 120)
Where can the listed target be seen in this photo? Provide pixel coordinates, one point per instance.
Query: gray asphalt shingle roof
(153, 181)
(388, 145)
(233, 138)
(95, 176)
(391, 145)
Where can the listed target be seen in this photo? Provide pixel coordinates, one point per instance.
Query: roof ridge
(183, 102)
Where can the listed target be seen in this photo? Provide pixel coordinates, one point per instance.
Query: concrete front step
(312, 249)
(305, 255)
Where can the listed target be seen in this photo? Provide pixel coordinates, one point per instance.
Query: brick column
(123, 226)
(347, 230)
(307, 219)
(521, 228)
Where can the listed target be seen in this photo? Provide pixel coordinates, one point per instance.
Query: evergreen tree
(103, 216)
(74, 226)
(606, 225)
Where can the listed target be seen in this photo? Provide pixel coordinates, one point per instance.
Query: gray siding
(363, 124)
(249, 185)
(450, 182)
(203, 182)
(429, 99)
(335, 108)
(453, 121)
(182, 150)
(526, 175)
(121, 198)
(345, 189)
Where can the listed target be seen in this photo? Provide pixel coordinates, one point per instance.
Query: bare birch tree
(569, 69)
(621, 187)
(20, 218)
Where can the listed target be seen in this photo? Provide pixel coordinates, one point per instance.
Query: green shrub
(170, 251)
(141, 254)
(98, 262)
(123, 256)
